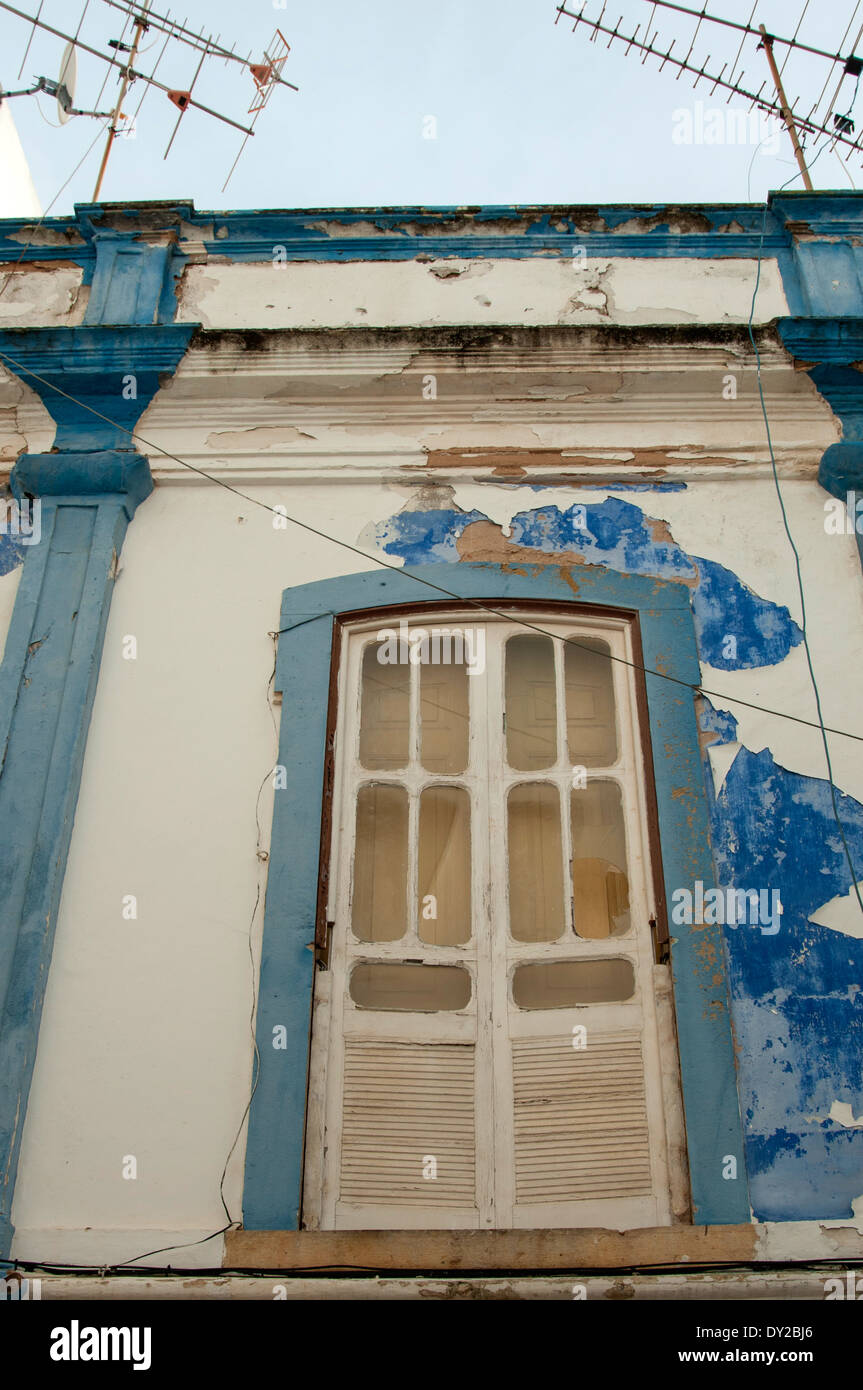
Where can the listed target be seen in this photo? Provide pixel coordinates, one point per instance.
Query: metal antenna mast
(787, 113)
(840, 133)
(266, 75)
(140, 30)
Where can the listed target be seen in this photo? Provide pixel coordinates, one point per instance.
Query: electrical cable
(671, 1267)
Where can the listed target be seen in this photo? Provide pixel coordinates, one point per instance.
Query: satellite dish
(66, 83)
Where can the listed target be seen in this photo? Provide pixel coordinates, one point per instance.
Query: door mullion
(504, 1130)
(482, 921)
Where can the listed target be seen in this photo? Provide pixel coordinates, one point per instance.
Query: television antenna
(830, 124)
(266, 75)
(63, 90)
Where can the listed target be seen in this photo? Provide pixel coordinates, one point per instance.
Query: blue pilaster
(47, 685)
(95, 381)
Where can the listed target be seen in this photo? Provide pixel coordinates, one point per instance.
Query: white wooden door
(485, 1042)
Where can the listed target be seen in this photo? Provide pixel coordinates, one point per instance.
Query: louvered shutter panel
(402, 1103)
(581, 1127)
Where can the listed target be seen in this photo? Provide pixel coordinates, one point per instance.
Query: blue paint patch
(617, 535)
(763, 632)
(797, 1004)
(719, 722)
(612, 533)
(613, 488)
(12, 552)
(423, 537)
(648, 487)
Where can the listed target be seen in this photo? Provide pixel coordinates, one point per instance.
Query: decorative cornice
(838, 341)
(95, 382)
(339, 234)
(92, 475)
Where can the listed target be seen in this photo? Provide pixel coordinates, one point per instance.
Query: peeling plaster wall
(477, 291)
(43, 294)
(796, 995)
(24, 421)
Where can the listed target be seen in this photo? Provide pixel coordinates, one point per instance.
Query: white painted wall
(624, 290)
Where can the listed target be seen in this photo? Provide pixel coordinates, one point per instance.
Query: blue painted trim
(133, 256)
(94, 365)
(830, 348)
(351, 234)
(130, 280)
(53, 650)
(84, 475)
(47, 686)
(273, 1177)
(836, 341)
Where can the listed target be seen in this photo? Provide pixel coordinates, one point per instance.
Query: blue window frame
(310, 619)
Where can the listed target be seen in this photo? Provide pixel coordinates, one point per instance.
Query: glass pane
(531, 702)
(379, 908)
(535, 863)
(444, 866)
(600, 887)
(444, 720)
(421, 988)
(563, 984)
(590, 728)
(385, 710)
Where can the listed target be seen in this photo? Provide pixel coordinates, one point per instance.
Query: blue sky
(525, 111)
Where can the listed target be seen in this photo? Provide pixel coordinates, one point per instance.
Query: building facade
(419, 847)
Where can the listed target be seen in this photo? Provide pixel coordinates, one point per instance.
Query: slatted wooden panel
(403, 1101)
(580, 1119)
